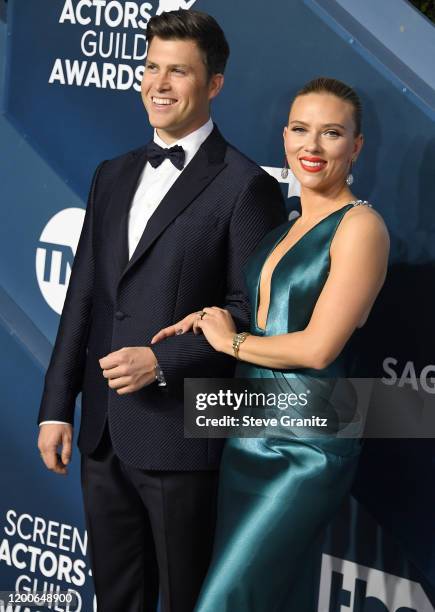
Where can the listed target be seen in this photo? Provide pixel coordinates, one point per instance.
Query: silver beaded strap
(360, 203)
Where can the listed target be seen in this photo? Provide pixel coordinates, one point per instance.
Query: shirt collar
(191, 142)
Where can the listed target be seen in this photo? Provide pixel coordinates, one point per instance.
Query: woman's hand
(218, 327)
(181, 327)
(215, 323)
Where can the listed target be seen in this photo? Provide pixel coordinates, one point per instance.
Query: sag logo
(55, 255)
(174, 5)
(348, 587)
(408, 377)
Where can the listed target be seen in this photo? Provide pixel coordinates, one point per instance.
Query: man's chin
(165, 127)
(159, 123)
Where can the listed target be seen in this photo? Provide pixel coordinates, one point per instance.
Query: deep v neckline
(274, 246)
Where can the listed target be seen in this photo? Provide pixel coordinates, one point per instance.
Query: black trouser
(148, 531)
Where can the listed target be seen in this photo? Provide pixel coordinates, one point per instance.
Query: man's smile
(157, 101)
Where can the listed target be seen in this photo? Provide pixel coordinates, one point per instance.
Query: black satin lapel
(203, 168)
(120, 201)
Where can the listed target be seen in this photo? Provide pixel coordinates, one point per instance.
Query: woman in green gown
(311, 283)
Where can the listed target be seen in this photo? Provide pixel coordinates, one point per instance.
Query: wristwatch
(238, 339)
(160, 377)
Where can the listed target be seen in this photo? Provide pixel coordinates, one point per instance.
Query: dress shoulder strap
(360, 203)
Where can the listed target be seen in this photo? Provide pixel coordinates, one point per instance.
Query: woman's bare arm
(359, 259)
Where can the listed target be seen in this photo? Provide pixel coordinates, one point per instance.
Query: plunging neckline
(275, 245)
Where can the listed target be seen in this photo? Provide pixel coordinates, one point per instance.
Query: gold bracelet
(238, 339)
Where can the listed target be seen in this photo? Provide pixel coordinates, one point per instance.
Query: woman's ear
(359, 141)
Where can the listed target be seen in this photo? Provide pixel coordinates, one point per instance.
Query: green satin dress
(277, 494)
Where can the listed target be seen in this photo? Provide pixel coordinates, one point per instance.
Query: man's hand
(129, 369)
(51, 436)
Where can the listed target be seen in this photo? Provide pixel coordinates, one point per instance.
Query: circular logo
(55, 255)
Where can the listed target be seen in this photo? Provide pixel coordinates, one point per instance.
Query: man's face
(175, 88)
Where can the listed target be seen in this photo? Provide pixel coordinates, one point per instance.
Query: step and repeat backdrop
(70, 74)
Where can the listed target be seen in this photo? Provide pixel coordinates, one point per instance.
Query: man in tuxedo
(168, 228)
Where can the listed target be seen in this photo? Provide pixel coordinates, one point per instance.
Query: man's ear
(215, 85)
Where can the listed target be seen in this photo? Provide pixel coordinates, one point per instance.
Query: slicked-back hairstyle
(339, 89)
(197, 26)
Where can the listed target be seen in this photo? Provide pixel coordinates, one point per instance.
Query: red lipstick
(312, 164)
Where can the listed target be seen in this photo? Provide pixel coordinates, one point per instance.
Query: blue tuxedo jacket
(191, 255)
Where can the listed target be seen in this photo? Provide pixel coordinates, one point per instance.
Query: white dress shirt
(154, 184)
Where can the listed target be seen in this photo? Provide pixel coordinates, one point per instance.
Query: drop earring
(349, 178)
(285, 169)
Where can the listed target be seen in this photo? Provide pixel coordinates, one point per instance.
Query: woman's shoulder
(364, 224)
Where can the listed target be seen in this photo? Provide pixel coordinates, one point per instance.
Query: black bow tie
(157, 154)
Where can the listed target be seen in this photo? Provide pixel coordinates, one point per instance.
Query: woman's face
(320, 141)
